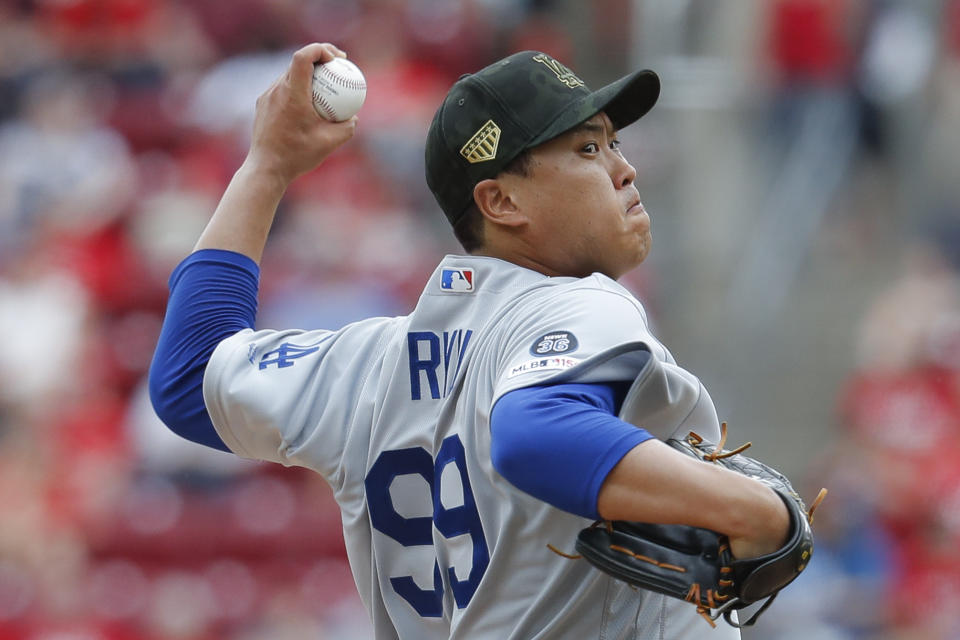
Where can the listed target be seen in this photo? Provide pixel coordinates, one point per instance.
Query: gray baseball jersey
(394, 413)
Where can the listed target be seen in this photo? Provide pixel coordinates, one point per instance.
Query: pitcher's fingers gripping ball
(339, 89)
(696, 564)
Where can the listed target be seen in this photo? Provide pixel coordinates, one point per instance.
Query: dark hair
(469, 228)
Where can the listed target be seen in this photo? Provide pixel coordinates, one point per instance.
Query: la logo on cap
(563, 74)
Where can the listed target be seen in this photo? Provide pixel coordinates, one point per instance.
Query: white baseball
(339, 89)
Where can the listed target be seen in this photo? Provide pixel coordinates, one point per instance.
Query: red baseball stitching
(325, 106)
(341, 80)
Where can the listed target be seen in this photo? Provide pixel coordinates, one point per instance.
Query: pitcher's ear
(494, 201)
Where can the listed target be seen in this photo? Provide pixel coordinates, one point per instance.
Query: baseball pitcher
(521, 401)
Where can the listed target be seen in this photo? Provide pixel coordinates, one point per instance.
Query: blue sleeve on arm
(558, 443)
(213, 295)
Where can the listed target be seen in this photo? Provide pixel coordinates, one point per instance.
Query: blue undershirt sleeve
(213, 295)
(559, 442)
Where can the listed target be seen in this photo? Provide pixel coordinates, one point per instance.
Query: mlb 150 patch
(457, 280)
(553, 363)
(554, 343)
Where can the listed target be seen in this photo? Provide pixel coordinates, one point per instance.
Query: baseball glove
(696, 564)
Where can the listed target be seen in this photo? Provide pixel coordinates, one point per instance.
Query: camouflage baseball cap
(488, 118)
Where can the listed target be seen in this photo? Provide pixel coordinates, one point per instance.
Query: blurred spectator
(23, 51)
(809, 43)
(60, 168)
(810, 55)
(47, 310)
(895, 65)
(901, 408)
(845, 590)
(902, 318)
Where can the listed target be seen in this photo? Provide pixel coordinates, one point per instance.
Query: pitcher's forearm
(654, 483)
(242, 220)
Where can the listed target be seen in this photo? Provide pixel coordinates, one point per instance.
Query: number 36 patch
(554, 343)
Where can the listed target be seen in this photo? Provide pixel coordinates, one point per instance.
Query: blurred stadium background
(801, 171)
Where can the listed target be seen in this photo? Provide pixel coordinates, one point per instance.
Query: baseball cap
(490, 117)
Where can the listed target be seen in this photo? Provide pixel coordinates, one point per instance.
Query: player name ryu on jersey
(435, 360)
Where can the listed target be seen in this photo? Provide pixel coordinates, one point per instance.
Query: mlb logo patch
(458, 280)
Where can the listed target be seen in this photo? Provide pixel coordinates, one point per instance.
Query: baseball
(339, 89)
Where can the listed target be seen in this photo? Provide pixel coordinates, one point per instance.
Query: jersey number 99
(418, 531)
